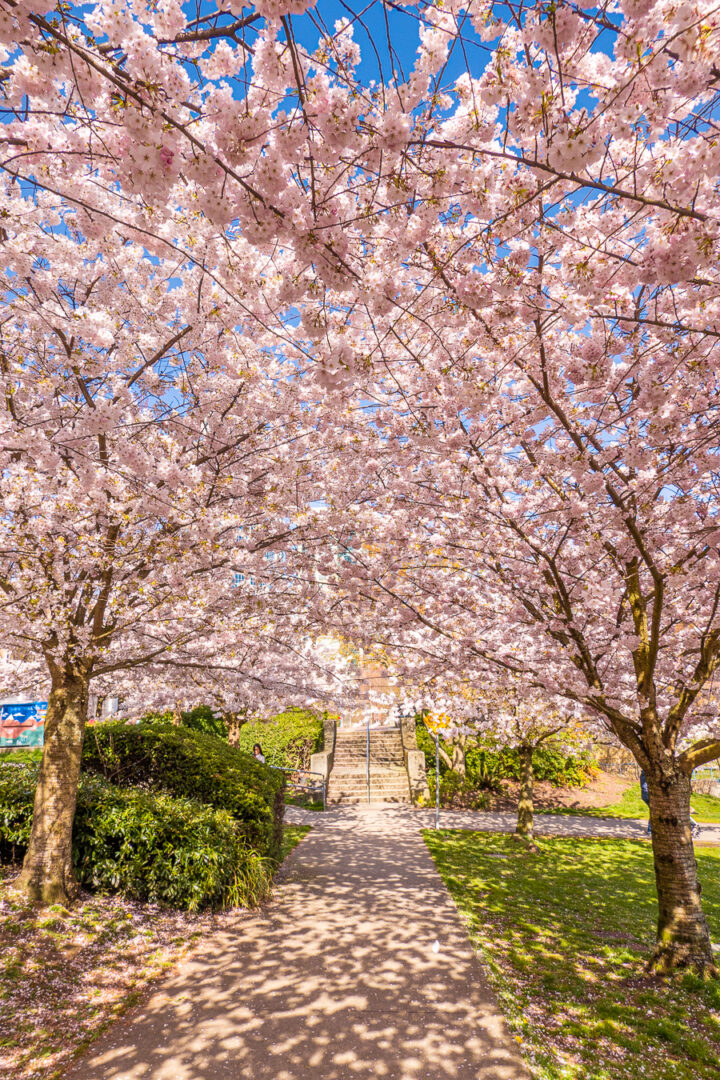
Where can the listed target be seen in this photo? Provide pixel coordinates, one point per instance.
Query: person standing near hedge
(257, 753)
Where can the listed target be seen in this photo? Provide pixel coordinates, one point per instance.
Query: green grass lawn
(707, 807)
(564, 934)
(29, 753)
(304, 803)
(292, 835)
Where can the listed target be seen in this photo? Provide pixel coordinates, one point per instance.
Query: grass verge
(564, 934)
(706, 807)
(292, 835)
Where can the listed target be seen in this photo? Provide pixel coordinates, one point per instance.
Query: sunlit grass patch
(706, 807)
(565, 934)
(292, 835)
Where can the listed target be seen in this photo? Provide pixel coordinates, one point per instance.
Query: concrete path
(407, 818)
(359, 968)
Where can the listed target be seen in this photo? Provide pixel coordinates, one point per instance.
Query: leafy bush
(17, 793)
(459, 793)
(287, 739)
(426, 743)
(145, 845)
(489, 763)
(191, 764)
(201, 718)
(24, 753)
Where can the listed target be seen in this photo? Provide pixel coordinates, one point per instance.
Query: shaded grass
(304, 802)
(706, 807)
(565, 934)
(292, 835)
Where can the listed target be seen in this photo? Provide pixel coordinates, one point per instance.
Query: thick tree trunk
(683, 939)
(233, 723)
(525, 799)
(47, 874)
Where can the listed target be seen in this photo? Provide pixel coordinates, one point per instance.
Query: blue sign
(22, 724)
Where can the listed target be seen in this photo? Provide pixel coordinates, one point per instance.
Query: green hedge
(194, 765)
(488, 763)
(287, 739)
(201, 718)
(146, 845)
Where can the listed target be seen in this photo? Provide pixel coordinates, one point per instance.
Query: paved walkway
(406, 818)
(359, 968)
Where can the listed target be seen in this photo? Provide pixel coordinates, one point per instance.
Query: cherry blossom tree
(148, 454)
(247, 666)
(506, 258)
(524, 721)
(542, 391)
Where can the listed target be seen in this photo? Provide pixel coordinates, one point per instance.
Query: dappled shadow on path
(360, 968)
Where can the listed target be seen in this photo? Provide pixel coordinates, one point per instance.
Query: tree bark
(47, 874)
(683, 938)
(458, 759)
(525, 800)
(233, 722)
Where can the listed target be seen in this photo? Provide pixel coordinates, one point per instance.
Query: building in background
(22, 723)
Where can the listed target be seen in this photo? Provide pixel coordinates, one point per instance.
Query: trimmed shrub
(287, 739)
(186, 763)
(201, 718)
(146, 845)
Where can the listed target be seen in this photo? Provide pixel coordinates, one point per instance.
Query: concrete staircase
(388, 775)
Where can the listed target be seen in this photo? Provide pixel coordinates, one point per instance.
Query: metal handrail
(305, 772)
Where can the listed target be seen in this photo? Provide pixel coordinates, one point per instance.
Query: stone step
(375, 796)
(349, 785)
(375, 748)
(385, 747)
(375, 751)
(378, 797)
(341, 789)
(375, 771)
(336, 790)
(340, 786)
(361, 740)
(378, 759)
(356, 785)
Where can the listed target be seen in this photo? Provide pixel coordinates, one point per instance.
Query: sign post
(437, 780)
